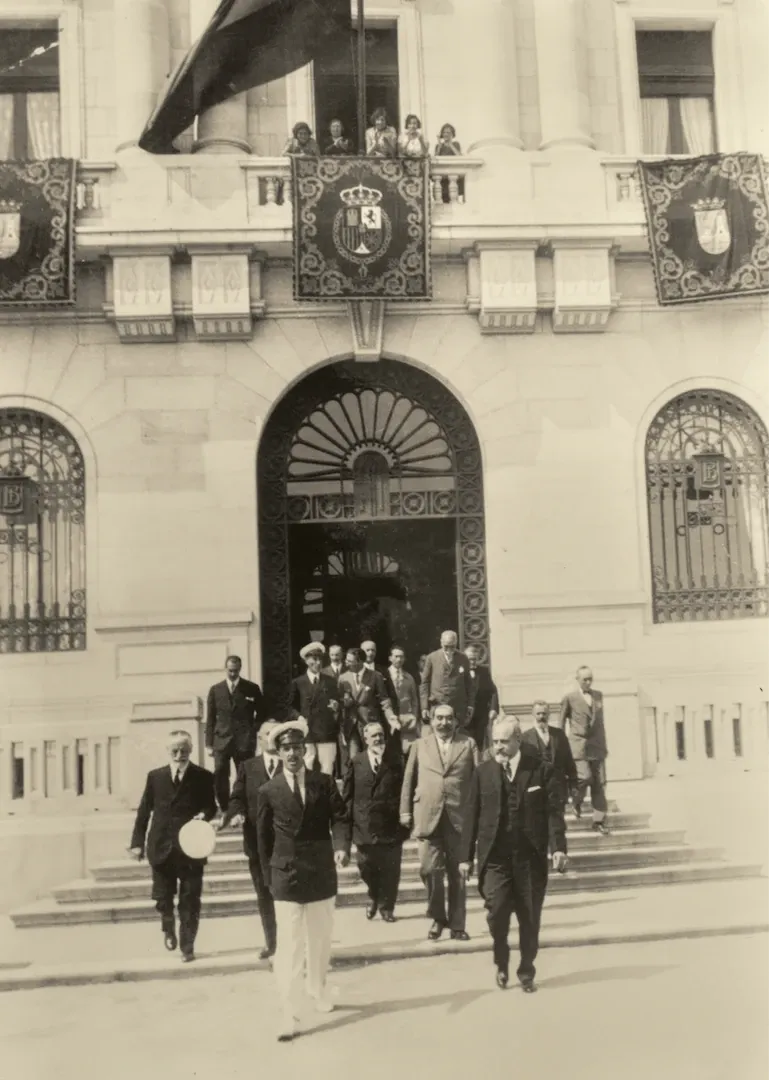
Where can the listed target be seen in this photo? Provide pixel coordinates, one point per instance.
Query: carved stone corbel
(141, 297)
(221, 295)
(583, 273)
(367, 325)
(502, 286)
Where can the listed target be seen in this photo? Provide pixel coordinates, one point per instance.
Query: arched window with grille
(707, 454)
(42, 535)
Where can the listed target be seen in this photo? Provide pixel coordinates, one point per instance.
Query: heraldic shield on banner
(361, 229)
(37, 249)
(708, 226)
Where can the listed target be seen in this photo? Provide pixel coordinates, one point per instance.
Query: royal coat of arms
(10, 227)
(712, 225)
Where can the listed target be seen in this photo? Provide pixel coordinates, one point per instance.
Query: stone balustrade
(92, 189)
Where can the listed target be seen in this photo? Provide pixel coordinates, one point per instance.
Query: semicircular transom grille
(332, 437)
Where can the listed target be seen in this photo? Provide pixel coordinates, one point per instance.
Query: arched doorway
(370, 502)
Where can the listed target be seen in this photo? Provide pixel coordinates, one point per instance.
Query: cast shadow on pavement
(356, 1014)
(608, 974)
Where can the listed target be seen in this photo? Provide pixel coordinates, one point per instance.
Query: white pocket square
(537, 787)
(249, 699)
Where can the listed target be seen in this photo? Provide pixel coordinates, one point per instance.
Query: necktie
(375, 765)
(177, 778)
(270, 769)
(509, 771)
(298, 794)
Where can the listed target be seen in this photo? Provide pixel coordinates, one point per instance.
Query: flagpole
(361, 28)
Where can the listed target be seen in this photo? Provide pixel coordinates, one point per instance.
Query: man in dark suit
(335, 665)
(173, 795)
(234, 711)
(252, 775)
(315, 698)
(446, 680)
(364, 698)
(513, 814)
(401, 689)
(296, 813)
(436, 787)
(583, 709)
(371, 794)
(483, 701)
(554, 747)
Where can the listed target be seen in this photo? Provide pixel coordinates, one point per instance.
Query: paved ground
(684, 1010)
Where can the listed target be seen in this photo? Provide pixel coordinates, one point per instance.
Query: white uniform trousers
(304, 949)
(325, 752)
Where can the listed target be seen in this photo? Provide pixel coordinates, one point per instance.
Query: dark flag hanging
(247, 43)
(37, 248)
(361, 229)
(708, 226)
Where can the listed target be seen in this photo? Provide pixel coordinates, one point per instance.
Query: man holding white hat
(296, 813)
(174, 795)
(315, 698)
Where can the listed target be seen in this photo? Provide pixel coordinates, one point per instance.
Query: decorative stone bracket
(367, 325)
(141, 290)
(502, 286)
(584, 294)
(221, 294)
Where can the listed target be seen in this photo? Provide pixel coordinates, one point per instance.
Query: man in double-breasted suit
(296, 813)
(483, 701)
(173, 795)
(446, 680)
(252, 775)
(364, 698)
(315, 698)
(514, 813)
(553, 746)
(436, 788)
(371, 794)
(234, 711)
(583, 709)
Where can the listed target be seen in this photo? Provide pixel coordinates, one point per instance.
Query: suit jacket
(234, 719)
(405, 702)
(333, 674)
(313, 702)
(446, 684)
(367, 702)
(540, 810)
(558, 754)
(483, 697)
(429, 787)
(372, 802)
(587, 735)
(295, 848)
(252, 774)
(169, 808)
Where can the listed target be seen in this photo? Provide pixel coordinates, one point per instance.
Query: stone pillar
(142, 61)
(489, 76)
(223, 129)
(564, 105)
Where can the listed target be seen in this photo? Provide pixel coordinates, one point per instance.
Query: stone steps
(52, 913)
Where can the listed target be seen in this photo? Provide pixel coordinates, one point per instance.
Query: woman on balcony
(301, 143)
(412, 143)
(447, 145)
(381, 139)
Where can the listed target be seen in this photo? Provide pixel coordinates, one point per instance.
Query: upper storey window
(676, 82)
(30, 126)
(335, 79)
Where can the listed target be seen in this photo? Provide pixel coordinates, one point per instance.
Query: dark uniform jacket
(312, 701)
(252, 775)
(482, 698)
(169, 808)
(234, 719)
(295, 848)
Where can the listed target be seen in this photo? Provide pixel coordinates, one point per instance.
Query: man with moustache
(401, 689)
(436, 789)
(296, 813)
(583, 710)
(446, 680)
(483, 703)
(514, 812)
(252, 775)
(335, 665)
(364, 698)
(234, 711)
(315, 698)
(554, 747)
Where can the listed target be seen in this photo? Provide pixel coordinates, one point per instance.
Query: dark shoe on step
(371, 909)
(266, 953)
(602, 828)
(502, 979)
(387, 916)
(169, 940)
(460, 935)
(435, 931)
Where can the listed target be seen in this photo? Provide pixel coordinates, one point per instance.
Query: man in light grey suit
(436, 789)
(583, 711)
(446, 680)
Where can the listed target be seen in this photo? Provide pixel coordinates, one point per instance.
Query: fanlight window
(42, 535)
(706, 478)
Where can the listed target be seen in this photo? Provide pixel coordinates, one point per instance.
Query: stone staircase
(634, 855)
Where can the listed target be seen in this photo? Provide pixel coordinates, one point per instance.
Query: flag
(247, 43)
(708, 223)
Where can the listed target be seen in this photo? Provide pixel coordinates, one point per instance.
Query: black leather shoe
(460, 935)
(434, 932)
(528, 985)
(577, 810)
(387, 916)
(266, 953)
(187, 956)
(502, 978)
(169, 940)
(371, 909)
(602, 828)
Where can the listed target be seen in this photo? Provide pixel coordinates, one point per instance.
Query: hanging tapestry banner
(708, 226)
(361, 229)
(37, 242)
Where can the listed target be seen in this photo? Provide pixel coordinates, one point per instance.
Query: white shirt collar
(179, 770)
(298, 778)
(514, 763)
(545, 737)
(394, 672)
(271, 760)
(374, 759)
(233, 682)
(370, 664)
